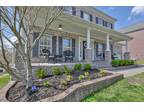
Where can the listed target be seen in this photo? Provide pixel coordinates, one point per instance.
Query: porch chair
(68, 56)
(47, 55)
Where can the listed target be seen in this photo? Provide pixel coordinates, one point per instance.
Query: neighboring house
(89, 33)
(136, 45)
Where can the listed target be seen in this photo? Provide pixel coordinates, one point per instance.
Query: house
(87, 32)
(136, 45)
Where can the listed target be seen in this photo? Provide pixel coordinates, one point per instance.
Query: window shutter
(96, 20)
(35, 49)
(73, 46)
(96, 49)
(103, 23)
(111, 26)
(73, 11)
(104, 48)
(91, 18)
(53, 45)
(81, 14)
(60, 45)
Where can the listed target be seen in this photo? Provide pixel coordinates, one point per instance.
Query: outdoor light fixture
(60, 27)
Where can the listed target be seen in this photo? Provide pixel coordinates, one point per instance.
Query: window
(100, 51)
(67, 44)
(99, 21)
(68, 9)
(110, 25)
(45, 43)
(86, 16)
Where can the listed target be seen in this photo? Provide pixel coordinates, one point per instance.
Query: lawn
(127, 90)
(4, 79)
(140, 61)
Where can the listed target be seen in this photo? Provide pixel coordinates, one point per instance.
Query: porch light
(60, 27)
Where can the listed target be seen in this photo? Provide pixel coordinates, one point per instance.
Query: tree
(20, 22)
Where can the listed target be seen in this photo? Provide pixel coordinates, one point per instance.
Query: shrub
(67, 71)
(116, 63)
(47, 84)
(69, 78)
(63, 82)
(102, 72)
(87, 67)
(87, 74)
(56, 70)
(78, 67)
(81, 77)
(40, 73)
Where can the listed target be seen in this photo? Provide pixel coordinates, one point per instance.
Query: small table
(58, 58)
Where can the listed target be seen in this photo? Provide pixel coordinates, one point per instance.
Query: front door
(84, 47)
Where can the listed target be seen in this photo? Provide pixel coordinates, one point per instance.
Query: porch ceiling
(75, 25)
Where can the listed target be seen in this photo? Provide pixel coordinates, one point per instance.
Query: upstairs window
(68, 9)
(86, 16)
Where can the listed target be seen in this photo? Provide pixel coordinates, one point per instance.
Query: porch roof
(74, 24)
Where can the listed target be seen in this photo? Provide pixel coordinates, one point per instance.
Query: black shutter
(103, 22)
(35, 49)
(81, 14)
(73, 11)
(73, 46)
(60, 45)
(111, 26)
(53, 45)
(96, 20)
(104, 48)
(91, 18)
(96, 49)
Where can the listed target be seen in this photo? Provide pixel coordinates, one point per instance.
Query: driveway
(131, 72)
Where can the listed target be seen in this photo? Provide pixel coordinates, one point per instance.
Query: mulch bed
(17, 92)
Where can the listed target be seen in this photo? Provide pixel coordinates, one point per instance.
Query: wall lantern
(60, 27)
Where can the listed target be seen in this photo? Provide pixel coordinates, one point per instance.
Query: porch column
(126, 54)
(88, 50)
(108, 51)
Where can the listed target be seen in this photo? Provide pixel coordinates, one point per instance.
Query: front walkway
(131, 72)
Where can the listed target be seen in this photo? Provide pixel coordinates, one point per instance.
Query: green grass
(140, 61)
(122, 91)
(4, 79)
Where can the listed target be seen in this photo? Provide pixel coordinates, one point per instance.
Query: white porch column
(107, 43)
(126, 46)
(108, 51)
(88, 50)
(57, 45)
(88, 38)
(126, 54)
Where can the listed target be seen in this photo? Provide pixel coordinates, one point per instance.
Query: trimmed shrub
(102, 72)
(63, 82)
(47, 84)
(40, 73)
(78, 67)
(81, 77)
(69, 78)
(56, 70)
(116, 63)
(87, 67)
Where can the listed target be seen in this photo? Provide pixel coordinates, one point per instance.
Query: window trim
(50, 36)
(63, 43)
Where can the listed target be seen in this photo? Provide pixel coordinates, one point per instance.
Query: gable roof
(133, 28)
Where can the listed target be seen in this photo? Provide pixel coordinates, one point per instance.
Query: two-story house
(85, 32)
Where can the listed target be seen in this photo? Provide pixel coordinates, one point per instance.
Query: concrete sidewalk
(130, 72)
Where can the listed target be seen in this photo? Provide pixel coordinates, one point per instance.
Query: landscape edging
(74, 93)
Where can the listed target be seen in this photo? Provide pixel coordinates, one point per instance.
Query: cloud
(136, 11)
(111, 8)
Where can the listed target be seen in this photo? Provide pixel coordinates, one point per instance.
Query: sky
(125, 15)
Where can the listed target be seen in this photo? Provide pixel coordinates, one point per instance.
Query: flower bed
(51, 86)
